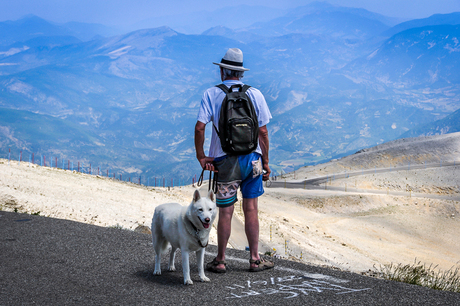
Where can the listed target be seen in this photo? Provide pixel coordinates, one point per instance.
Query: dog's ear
(211, 196)
(196, 196)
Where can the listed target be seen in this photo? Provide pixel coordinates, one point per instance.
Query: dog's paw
(204, 279)
(188, 282)
(172, 269)
(156, 272)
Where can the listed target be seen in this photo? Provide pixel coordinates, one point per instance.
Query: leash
(212, 186)
(212, 181)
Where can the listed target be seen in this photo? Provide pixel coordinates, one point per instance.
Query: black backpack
(238, 123)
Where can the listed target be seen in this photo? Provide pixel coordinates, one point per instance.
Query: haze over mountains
(336, 80)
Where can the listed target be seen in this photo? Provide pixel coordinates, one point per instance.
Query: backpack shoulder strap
(216, 130)
(223, 87)
(245, 88)
(226, 91)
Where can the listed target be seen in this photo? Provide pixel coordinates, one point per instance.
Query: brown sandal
(262, 264)
(212, 266)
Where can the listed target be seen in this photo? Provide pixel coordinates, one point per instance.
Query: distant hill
(233, 17)
(39, 42)
(32, 27)
(320, 6)
(27, 28)
(89, 31)
(400, 152)
(322, 19)
(62, 139)
(449, 124)
(34, 133)
(436, 19)
(426, 55)
(238, 35)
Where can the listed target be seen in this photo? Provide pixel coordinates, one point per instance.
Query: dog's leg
(157, 242)
(172, 255)
(157, 270)
(159, 245)
(200, 263)
(186, 267)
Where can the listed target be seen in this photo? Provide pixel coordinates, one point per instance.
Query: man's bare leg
(251, 226)
(224, 228)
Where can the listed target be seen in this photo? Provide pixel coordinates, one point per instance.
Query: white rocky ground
(351, 231)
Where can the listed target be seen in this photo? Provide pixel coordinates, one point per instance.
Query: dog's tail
(159, 242)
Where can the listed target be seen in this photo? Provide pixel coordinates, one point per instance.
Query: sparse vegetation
(423, 275)
(118, 226)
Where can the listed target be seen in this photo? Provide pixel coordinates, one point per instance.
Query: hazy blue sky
(126, 12)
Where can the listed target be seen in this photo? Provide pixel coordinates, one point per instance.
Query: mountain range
(334, 79)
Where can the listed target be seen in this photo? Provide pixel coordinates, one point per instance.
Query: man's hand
(267, 171)
(206, 163)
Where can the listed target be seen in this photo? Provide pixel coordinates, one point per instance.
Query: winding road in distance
(319, 183)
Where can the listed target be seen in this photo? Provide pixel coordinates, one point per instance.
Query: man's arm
(264, 145)
(205, 162)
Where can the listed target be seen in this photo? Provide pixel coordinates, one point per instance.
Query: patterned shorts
(243, 171)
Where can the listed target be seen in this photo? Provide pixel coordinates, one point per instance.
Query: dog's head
(202, 211)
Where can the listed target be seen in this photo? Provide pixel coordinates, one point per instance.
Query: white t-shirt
(210, 111)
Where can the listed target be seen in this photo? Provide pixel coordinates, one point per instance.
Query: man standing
(234, 171)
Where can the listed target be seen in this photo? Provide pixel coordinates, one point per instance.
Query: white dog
(186, 228)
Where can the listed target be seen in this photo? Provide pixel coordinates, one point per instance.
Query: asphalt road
(320, 183)
(47, 261)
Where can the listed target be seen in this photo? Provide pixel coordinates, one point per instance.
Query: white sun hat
(232, 60)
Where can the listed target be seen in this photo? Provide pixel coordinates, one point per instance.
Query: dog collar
(197, 232)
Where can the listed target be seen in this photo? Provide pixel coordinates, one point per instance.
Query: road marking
(315, 276)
